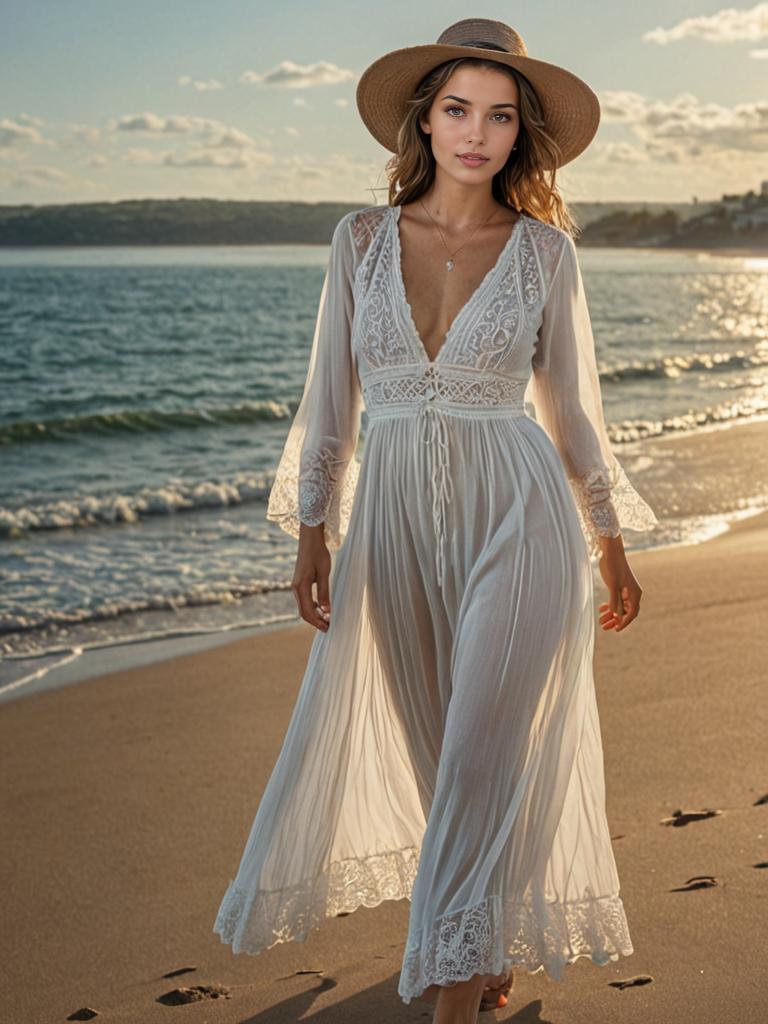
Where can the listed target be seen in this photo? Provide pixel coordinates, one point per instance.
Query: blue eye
(506, 116)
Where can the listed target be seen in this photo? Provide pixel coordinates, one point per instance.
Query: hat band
(481, 43)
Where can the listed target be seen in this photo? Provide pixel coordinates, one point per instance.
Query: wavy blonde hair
(522, 183)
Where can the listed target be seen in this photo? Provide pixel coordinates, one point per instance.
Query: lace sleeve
(565, 393)
(317, 474)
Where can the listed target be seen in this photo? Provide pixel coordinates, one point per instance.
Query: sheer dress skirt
(445, 744)
(490, 672)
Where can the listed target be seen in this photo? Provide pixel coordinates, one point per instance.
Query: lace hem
(495, 935)
(252, 921)
(323, 490)
(607, 502)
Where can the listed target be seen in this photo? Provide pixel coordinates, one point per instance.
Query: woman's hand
(624, 591)
(313, 565)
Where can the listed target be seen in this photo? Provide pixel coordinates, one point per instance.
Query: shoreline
(748, 251)
(70, 668)
(83, 664)
(725, 452)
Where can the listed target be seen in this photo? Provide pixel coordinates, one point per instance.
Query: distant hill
(171, 222)
(732, 221)
(740, 225)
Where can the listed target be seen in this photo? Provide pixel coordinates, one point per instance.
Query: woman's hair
(521, 184)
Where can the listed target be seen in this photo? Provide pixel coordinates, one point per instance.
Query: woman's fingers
(631, 601)
(622, 608)
(302, 591)
(313, 567)
(608, 619)
(323, 596)
(308, 572)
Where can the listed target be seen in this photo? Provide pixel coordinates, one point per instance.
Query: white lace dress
(445, 743)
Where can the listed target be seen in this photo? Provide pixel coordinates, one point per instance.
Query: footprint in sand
(178, 971)
(180, 996)
(697, 882)
(680, 817)
(637, 979)
(326, 981)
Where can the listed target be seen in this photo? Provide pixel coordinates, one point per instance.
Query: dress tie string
(434, 434)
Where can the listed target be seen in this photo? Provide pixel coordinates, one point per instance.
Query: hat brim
(571, 109)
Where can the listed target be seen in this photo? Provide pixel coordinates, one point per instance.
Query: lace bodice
(523, 341)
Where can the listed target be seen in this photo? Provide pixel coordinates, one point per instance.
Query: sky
(103, 100)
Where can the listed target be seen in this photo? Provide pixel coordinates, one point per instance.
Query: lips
(472, 161)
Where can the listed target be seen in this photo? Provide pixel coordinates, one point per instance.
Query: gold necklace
(450, 263)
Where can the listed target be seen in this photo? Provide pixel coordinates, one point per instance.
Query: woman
(445, 744)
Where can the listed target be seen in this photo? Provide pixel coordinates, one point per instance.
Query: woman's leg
(509, 741)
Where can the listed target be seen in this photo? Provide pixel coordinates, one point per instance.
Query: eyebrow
(469, 102)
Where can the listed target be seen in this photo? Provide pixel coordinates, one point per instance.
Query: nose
(475, 133)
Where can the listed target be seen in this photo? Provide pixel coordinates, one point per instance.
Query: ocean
(147, 392)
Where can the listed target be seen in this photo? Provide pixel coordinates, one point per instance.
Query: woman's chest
(439, 282)
(486, 319)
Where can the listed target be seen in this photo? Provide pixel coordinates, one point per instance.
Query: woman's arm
(311, 497)
(565, 392)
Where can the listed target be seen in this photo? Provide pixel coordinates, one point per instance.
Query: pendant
(449, 265)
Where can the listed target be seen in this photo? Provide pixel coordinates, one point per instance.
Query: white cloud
(156, 124)
(213, 131)
(290, 75)
(622, 106)
(235, 138)
(39, 175)
(137, 155)
(22, 131)
(80, 135)
(207, 85)
(725, 26)
(206, 158)
(684, 125)
(202, 157)
(216, 159)
(620, 153)
(36, 122)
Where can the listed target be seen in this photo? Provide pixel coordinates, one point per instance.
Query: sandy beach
(128, 797)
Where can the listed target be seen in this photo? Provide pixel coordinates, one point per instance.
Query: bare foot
(491, 981)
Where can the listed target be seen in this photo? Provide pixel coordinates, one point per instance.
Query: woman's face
(476, 111)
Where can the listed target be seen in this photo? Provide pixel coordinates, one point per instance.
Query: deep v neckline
(398, 267)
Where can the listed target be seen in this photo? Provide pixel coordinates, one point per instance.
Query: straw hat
(571, 109)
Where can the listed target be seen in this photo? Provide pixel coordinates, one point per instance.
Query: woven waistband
(461, 391)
